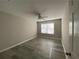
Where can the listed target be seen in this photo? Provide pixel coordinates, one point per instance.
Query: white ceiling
(51, 8)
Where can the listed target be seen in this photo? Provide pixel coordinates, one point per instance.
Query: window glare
(47, 28)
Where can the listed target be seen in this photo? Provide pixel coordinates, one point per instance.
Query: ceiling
(53, 9)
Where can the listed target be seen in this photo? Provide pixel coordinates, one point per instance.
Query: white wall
(15, 29)
(75, 52)
(70, 39)
(65, 30)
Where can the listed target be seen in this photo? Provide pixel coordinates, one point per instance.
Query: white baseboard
(67, 57)
(30, 38)
(64, 50)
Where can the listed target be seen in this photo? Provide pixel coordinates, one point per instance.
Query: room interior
(39, 29)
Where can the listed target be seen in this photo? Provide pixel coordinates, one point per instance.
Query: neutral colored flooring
(38, 48)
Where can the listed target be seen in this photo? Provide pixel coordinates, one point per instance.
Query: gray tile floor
(38, 48)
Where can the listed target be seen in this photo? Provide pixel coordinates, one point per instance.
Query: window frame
(47, 29)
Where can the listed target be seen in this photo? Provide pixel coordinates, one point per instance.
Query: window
(47, 28)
